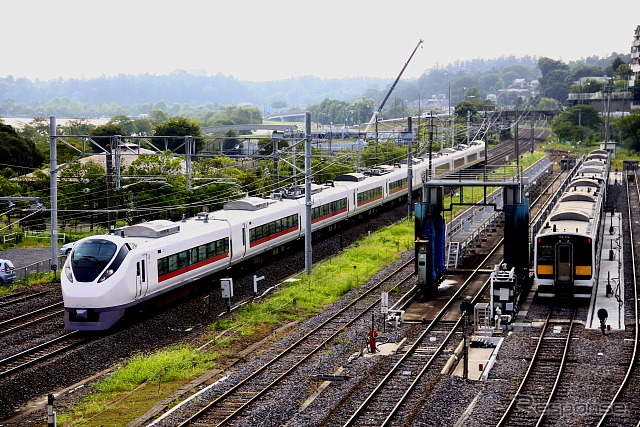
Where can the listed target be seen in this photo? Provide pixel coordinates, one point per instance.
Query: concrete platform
(481, 359)
(610, 276)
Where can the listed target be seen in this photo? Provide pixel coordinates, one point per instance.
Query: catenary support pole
(308, 260)
(53, 173)
(410, 167)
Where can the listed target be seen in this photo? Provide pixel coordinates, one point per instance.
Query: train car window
(368, 195)
(274, 227)
(172, 263)
(163, 266)
(90, 258)
(183, 259)
(397, 185)
(545, 257)
(115, 264)
(582, 257)
(194, 256)
(564, 254)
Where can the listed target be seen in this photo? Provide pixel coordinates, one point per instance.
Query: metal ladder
(454, 251)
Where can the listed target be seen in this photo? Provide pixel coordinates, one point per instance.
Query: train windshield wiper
(91, 258)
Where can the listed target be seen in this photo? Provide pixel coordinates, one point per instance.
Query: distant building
(617, 101)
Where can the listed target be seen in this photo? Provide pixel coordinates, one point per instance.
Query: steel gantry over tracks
(430, 231)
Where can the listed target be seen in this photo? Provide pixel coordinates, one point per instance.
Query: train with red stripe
(104, 275)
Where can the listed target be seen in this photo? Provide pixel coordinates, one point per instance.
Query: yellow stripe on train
(545, 269)
(583, 270)
(580, 270)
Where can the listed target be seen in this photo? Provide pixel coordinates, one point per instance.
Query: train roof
(598, 154)
(585, 181)
(248, 204)
(152, 229)
(575, 212)
(351, 177)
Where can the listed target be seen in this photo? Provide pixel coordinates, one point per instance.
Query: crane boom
(374, 117)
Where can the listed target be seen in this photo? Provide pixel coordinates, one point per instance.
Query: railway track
(399, 390)
(535, 394)
(31, 318)
(229, 404)
(18, 297)
(39, 353)
(394, 399)
(624, 407)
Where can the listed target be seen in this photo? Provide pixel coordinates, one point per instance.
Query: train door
(142, 276)
(564, 263)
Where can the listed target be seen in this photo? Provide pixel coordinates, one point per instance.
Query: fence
(43, 266)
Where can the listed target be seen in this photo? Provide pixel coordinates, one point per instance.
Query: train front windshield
(564, 258)
(90, 258)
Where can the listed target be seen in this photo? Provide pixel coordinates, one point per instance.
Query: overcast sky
(278, 39)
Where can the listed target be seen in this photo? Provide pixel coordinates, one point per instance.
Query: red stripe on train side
(369, 201)
(191, 267)
(322, 218)
(399, 189)
(273, 236)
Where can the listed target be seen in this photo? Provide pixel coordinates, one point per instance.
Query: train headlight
(68, 271)
(106, 275)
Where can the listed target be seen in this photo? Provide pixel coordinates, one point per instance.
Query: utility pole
(110, 221)
(532, 120)
(308, 260)
(409, 167)
(53, 174)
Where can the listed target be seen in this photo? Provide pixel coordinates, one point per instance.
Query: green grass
(145, 372)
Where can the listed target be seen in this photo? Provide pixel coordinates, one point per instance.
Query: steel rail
(363, 406)
(233, 413)
(633, 362)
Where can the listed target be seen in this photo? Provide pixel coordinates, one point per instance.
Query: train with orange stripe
(566, 249)
(104, 275)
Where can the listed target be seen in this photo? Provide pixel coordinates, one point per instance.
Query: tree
(103, 134)
(178, 127)
(18, 153)
(547, 104)
(577, 123)
(555, 80)
(383, 153)
(158, 116)
(623, 72)
(464, 108)
(148, 193)
(84, 184)
(629, 127)
(127, 125)
(79, 126)
(588, 86)
(279, 104)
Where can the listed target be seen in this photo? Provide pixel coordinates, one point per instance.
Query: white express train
(566, 248)
(106, 274)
